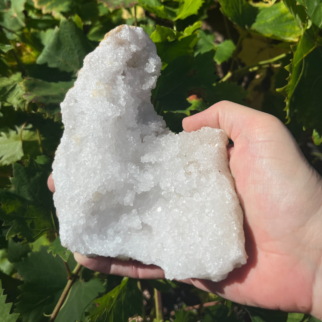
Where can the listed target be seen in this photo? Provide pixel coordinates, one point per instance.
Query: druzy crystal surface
(127, 187)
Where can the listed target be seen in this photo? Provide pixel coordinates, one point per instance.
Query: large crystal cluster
(128, 187)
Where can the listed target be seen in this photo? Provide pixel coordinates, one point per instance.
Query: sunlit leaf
(224, 51)
(56, 248)
(277, 22)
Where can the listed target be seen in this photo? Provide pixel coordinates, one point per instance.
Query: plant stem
(22, 128)
(246, 69)
(135, 19)
(39, 141)
(158, 305)
(66, 290)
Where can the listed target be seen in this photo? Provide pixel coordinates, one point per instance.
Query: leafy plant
(265, 54)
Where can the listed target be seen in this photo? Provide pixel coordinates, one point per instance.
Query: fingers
(228, 116)
(130, 268)
(50, 183)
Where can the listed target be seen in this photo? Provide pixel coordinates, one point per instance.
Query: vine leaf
(56, 248)
(120, 304)
(314, 11)
(79, 298)
(17, 251)
(5, 309)
(205, 43)
(239, 12)
(44, 279)
(278, 23)
(66, 48)
(263, 315)
(297, 11)
(48, 6)
(13, 18)
(28, 208)
(14, 144)
(224, 51)
(11, 91)
(188, 8)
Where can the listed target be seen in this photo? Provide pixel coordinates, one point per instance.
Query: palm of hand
(279, 193)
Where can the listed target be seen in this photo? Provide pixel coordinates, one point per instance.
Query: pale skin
(281, 195)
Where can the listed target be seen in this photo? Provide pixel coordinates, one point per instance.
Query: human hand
(281, 197)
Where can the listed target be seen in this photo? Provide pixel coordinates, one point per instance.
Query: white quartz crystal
(126, 186)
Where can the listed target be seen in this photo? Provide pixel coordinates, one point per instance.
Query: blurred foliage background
(264, 54)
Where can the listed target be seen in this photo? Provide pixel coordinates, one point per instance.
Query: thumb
(230, 117)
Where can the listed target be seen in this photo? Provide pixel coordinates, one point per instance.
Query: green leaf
(169, 51)
(5, 48)
(297, 317)
(239, 12)
(13, 18)
(185, 316)
(10, 286)
(15, 143)
(278, 23)
(263, 315)
(224, 51)
(5, 309)
(183, 77)
(67, 48)
(227, 91)
(56, 248)
(26, 219)
(116, 4)
(161, 34)
(11, 91)
(29, 209)
(17, 251)
(123, 302)
(156, 7)
(188, 8)
(44, 279)
(48, 6)
(314, 11)
(317, 138)
(205, 43)
(30, 182)
(306, 97)
(39, 91)
(220, 313)
(80, 296)
(191, 29)
(297, 11)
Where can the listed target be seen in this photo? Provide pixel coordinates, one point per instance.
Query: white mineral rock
(126, 186)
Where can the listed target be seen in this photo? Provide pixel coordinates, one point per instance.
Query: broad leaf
(188, 8)
(50, 5)
(79, 298)
(47, 93)
(56, 248)
(297, 11)
(239, 12)
(227, 91)
(5, 309)
(26, 219)
(220, 313)
(17, 251)
(67, 48)
(205, 43)
(277, 22)
(297, 317)
(5, 48)
(156, 7)
(44, 279)
(29, 209)
(13, 18)
(123, 302)
(314, 11)
(224, 51)
(15, 143)
(263, 315)
(11, 91)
